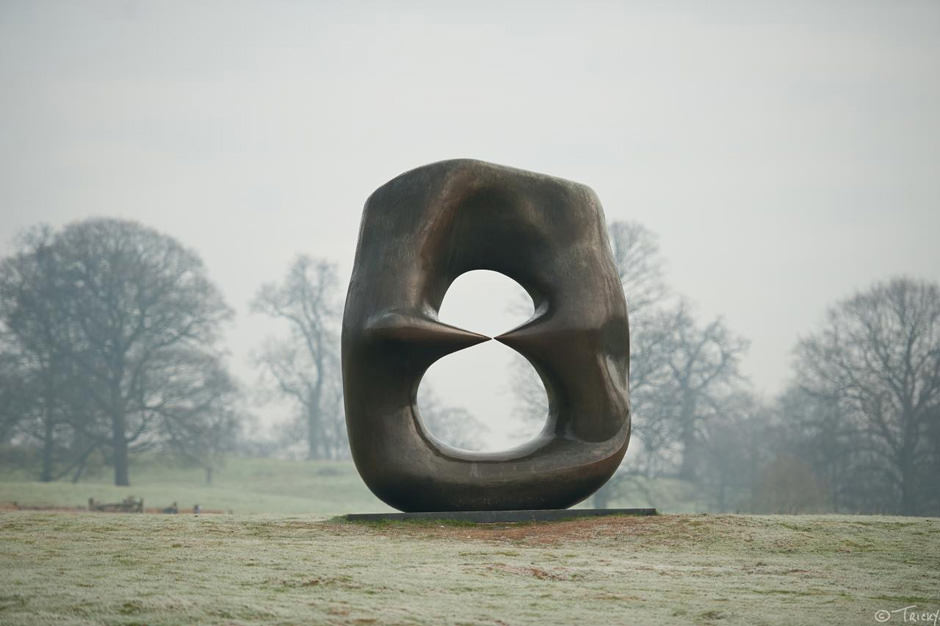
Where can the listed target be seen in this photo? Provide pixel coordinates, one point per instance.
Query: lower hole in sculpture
(486, 398)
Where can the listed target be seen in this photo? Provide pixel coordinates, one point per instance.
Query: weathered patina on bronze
(419, 232)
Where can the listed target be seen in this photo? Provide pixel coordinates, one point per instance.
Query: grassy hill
(278, 558)
(84, 568)
(241, 485)
(250, 485)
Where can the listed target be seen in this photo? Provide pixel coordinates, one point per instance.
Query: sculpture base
(494, 517)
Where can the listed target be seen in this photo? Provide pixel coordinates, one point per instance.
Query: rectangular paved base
(492, 517)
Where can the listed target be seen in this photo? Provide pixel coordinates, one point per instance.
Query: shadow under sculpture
(419, 232)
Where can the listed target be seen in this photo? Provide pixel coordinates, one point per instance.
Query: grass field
(278, 558)
(83, 568)
(241, 485)
(252, 485)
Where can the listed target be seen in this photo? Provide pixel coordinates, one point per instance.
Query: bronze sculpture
(419, 232)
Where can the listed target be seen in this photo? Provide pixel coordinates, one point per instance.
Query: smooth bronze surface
(419, 232)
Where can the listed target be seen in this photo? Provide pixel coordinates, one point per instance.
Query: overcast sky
(786, 153)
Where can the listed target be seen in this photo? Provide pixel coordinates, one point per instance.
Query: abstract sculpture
(419, 232)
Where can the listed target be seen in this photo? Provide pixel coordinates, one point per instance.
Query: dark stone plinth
(493, 517)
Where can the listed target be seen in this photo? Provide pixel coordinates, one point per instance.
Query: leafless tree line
(110, 339)
(855, 431)
(110, 345)
(303, 365)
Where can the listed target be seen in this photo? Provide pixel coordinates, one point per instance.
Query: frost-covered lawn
(61, 568)
(241, 486)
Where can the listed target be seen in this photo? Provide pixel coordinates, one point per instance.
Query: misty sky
(787, 154)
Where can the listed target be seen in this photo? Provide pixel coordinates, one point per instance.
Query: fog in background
(787, 154)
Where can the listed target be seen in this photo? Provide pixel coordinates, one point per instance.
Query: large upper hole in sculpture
(487, 397)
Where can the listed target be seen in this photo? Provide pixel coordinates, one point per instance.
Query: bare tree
(703, 363)
(36, 345)
(877, 360)
(655, 446)
(813, 429)
(736, 446)
(304, 367)
(685, 382)
(639, 264)
(455, 426)
(128, 322)
(787, 485)
(932, 467)
(200, 420)
(17, 396)
(530, 402)
(682, 374)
